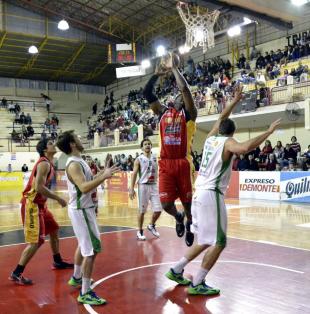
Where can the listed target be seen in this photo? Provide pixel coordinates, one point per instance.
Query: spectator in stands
(30, 130)
(289, 155)
(15, 136)
(10, 168)
(252, 164)
(295, 145)
(4, 103)
(24, 131)
(16, 119)
(307, 153)
(24, 168)
(242, 61)
(267, 149)
(123, 162)
(47, 125)
(243, 164)
(48, 101)
(43, 135)
(22, 118)
(278, 151)
(55, 119)
(130, 163)
(11, 107)
(270, 163)
(17, 108)
(28, 119)
(95, 107)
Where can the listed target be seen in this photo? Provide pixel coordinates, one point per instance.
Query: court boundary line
(90, 310)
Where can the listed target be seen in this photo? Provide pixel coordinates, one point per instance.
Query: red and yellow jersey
(29, 190)
(176, 131)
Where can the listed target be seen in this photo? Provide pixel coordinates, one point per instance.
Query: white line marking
(304, 225)
(90, 310)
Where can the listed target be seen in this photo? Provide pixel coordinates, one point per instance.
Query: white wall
(28, 158)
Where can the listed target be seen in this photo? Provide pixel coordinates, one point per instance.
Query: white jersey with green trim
(148, 169)
(77, 199)
(214, 174)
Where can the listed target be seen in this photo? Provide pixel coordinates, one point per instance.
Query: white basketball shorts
(86, 230)
(209, 217)
(148, 193)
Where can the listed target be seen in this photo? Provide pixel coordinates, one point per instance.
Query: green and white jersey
(77, 199)
(148, 169)
(214, 174)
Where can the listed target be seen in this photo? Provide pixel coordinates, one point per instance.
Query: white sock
(77, 273)
(85, 285)
(200, 276)
(179, 266)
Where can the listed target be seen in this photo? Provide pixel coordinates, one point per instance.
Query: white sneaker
(152, 229)
(140, 236)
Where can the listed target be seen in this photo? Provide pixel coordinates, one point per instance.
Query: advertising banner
(11, 180)
(118, 182)
(260, 185)
(233, 186)
(295, 186)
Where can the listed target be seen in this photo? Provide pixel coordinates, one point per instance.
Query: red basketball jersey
(39, 198)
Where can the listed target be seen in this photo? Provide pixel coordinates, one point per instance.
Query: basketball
(169, 60)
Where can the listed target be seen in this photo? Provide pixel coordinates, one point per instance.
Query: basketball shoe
(177, 277)
(20, 280)
(153, 230)
(91, 298)
(202, 289)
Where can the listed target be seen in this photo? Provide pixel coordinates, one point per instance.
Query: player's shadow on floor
(189, 304)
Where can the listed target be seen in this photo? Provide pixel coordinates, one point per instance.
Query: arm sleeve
(148, 90)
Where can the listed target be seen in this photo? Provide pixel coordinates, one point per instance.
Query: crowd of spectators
(26, 130)
(125, 117)
(280, 158)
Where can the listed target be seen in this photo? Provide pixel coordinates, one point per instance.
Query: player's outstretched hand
(274, 125)
(108, 172)
(62, 202)
(132, 194)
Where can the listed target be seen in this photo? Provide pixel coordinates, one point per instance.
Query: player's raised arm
(235, 147)
(227, 111)
(76, 176)
(184, 88)
(148, 91)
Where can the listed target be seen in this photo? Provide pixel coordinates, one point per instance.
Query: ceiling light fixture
(63, 25)
(33, 49)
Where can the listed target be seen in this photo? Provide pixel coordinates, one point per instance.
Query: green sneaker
(177, 277)
(202, 289)
(91, 298)
(74, 282)
(77, 282)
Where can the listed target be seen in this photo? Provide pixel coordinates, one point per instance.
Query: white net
(199, 26)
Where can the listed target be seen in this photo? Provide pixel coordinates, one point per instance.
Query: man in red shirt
(37, 219)
(177, 127)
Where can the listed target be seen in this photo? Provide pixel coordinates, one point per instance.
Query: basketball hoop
(199, 26)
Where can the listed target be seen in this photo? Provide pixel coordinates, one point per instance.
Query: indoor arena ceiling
(115, 21)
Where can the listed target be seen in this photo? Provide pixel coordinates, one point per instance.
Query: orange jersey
(176, 134)
(39, 198)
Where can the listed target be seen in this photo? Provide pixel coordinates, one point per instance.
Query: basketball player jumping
(37, 219)
(208, 210)
(146, 165)
(177, 127)
(81, 209)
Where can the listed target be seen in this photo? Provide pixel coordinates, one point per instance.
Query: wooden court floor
(264, 269)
